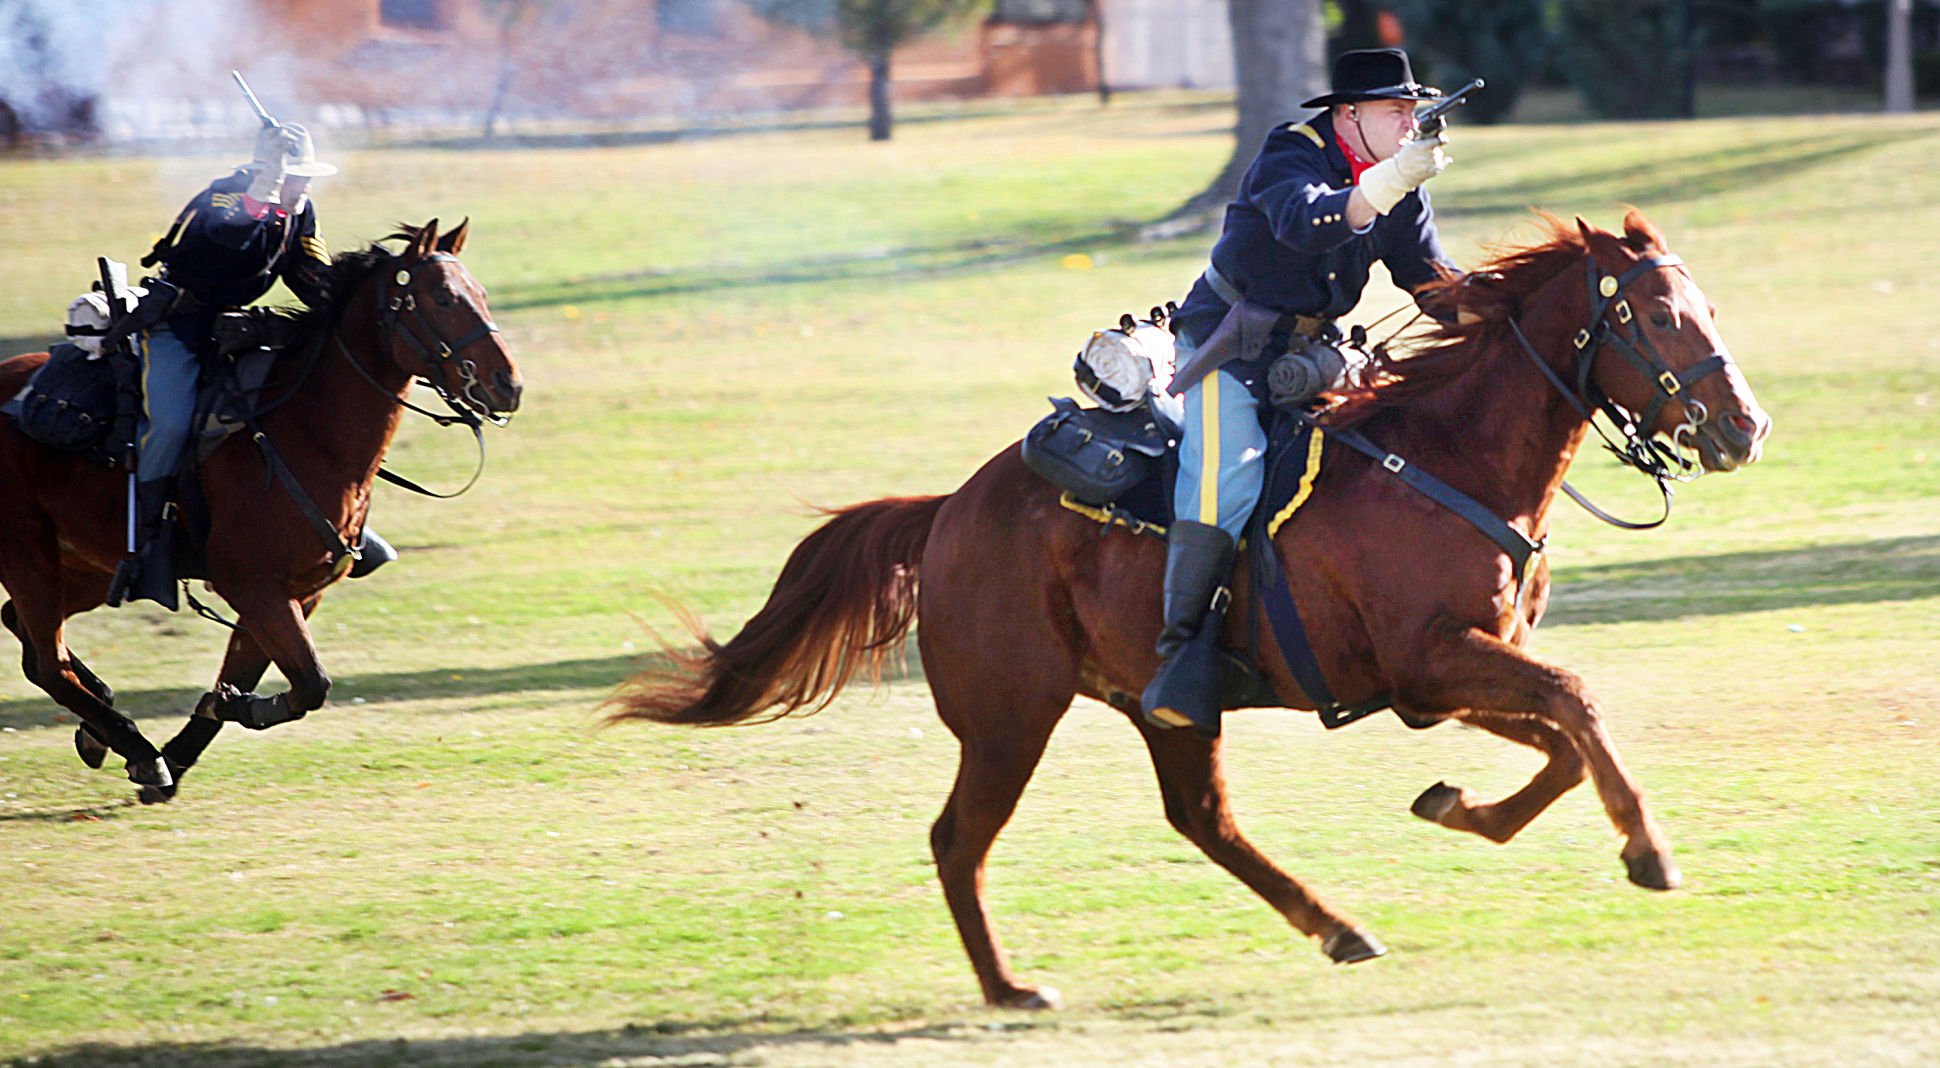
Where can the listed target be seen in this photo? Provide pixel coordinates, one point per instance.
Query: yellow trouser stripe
(1209, 449)
(1315, 439)
(146, 366)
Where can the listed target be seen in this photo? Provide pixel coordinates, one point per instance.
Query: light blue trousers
(168, 373)
(1222, 457)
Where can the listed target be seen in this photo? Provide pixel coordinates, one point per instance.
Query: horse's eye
(444, 298)
(1661, 320)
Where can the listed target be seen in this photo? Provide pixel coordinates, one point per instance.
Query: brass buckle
(1623, 311)
(1671, 386)
(1582, 337)
(1394, 463)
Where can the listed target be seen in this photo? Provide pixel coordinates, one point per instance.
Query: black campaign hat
(1373, 74)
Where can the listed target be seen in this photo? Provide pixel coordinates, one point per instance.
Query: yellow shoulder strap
(1306, 131)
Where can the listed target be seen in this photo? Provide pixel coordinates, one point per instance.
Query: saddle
(1138, 497)
(69, 404)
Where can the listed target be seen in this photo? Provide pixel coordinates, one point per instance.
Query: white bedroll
(1129, 364)
(89, 317)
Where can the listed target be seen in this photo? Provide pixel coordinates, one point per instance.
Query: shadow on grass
(1864, 572)
(725, 1042)
(600, 674)
(1645, 181)
(1658, 181)
(18, 346)
(962, 257)
(1886, 569)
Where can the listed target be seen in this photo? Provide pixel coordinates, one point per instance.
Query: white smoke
(146, 68)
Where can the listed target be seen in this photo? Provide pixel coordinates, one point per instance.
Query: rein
(1638, 450)
(392, 327)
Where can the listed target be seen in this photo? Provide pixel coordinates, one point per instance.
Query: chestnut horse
(1025, 605)
(334, 400)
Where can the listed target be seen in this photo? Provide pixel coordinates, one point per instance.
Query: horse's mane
(347, 271)
(1494, 292)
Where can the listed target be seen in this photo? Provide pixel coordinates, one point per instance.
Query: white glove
(1385, 183)
(273, 145)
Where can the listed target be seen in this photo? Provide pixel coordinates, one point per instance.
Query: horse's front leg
(243, 664)
(278, 626)
(1454, 807)
(1194, 790)
(1474, 670)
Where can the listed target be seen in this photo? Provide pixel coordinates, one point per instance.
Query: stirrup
(374, 553)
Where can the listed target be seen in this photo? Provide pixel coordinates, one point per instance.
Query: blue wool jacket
(226, 258)
(1286, 243)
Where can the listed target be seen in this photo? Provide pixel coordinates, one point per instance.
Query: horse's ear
(1597, 243)
(454, 242)
(1640, 233)
(425, 242)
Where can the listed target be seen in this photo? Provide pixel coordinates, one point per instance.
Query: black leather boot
(1185, 691)
(150, 574)
(375, 553)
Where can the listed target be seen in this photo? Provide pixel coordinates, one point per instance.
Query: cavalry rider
(225, 250)
(1320, 203)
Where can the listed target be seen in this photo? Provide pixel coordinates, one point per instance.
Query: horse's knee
(1200, 820)
(308, 695)
(943, 836)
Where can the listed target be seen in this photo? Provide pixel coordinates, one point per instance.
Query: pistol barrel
(255, 104)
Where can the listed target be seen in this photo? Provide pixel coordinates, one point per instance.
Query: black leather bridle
(1614, 322)
(398, 318)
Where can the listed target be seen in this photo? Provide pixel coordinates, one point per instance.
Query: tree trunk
(1279, 59)
(1899, 57)
(879, 117)
(1098, 51)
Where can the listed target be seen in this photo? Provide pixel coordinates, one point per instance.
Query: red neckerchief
(1355, 164)
(257, 208)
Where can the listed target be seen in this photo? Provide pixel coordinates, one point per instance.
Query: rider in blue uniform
(1323, 201)
(226, 249)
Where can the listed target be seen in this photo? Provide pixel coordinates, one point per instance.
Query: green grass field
(450, 865)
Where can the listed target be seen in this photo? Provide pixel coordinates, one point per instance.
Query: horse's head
(440, 329)
(1662, 357)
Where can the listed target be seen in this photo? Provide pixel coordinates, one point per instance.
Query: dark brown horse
(391, 318)
(1024, 605)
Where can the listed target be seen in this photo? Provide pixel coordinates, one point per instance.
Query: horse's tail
(844, 601)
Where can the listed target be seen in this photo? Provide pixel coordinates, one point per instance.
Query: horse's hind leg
(39, 619)
(1454, 807)
(87, 744)
(1194, 789)
(98, 688)
(1001, 734)
(1480, 671)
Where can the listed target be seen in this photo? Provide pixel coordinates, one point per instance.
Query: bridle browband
(1639, 448)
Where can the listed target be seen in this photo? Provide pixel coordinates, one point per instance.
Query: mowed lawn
(451, 865)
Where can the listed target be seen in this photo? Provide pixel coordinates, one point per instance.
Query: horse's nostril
(1742, 427)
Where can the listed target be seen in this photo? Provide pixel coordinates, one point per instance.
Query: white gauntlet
(1385, 183)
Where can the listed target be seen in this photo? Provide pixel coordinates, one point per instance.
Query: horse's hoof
(1351, 945)
(156, 795)
(1041, 999)
(1654, 871)
(150, 773)
(1436, 801)
(89, 748)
